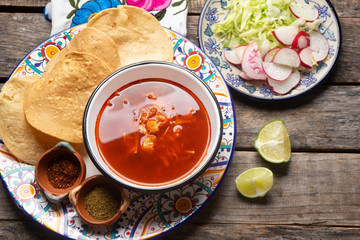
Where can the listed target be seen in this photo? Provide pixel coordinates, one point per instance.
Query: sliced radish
(270, 54)
(232, 57)
(286, 34)
(235, 56)
(319, 46)
(251, 63)
(288, 57)
(285, 86)
(243, 76)
(305, 57)
(276, 71)
(240, 50)
(304, 11)
(301, 40)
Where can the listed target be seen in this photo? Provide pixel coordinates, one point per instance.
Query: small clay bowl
(77, 196)
(53, 194)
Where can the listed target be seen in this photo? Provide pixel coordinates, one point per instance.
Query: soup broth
(153, 131)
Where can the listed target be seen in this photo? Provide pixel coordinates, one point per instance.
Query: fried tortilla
(55, 104)
(90, 40)
(24, 142)
(137, 34)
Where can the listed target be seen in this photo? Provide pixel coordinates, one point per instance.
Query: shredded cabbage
(253, 20)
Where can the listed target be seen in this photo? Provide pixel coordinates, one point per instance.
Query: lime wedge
(255, 182)
(273, 142)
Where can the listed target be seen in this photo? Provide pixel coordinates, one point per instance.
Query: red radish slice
(235, 56)
(251, 63)
(304, 11)
(285, 86)
(240, 50)
(243, 76)
(270, 54)
(286, 34)
(288, 57)
(305, 57)
(301, 40)
(319, 46)
(232, 57)
(276, 71)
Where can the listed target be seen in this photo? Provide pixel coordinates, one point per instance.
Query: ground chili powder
(63, 171)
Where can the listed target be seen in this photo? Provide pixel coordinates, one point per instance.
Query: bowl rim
(162, 188)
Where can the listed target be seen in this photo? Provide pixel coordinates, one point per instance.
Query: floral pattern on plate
(211, 45)
(149, 215)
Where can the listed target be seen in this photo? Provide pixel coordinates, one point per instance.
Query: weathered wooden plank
(24, 3)
(345, 70)
(348, 8)
(22, 33)
(250, 232)
(328, 119)
(312, 189)
(317, 189)
(26, 230)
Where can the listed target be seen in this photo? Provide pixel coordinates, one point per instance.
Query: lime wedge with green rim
(273, 142)
(255, 182)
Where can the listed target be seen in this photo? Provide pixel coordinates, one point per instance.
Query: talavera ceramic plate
(215, 11)
(149, 215)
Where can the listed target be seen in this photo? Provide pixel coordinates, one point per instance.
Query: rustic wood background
(315, 196)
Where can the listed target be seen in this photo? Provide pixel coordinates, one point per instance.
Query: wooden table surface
(315, 196)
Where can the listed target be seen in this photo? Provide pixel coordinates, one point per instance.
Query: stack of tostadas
(37, 112)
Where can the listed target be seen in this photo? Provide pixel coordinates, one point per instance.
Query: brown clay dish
(78, 194)
(57, 194)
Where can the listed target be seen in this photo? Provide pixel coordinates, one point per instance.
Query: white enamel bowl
(144, 70)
